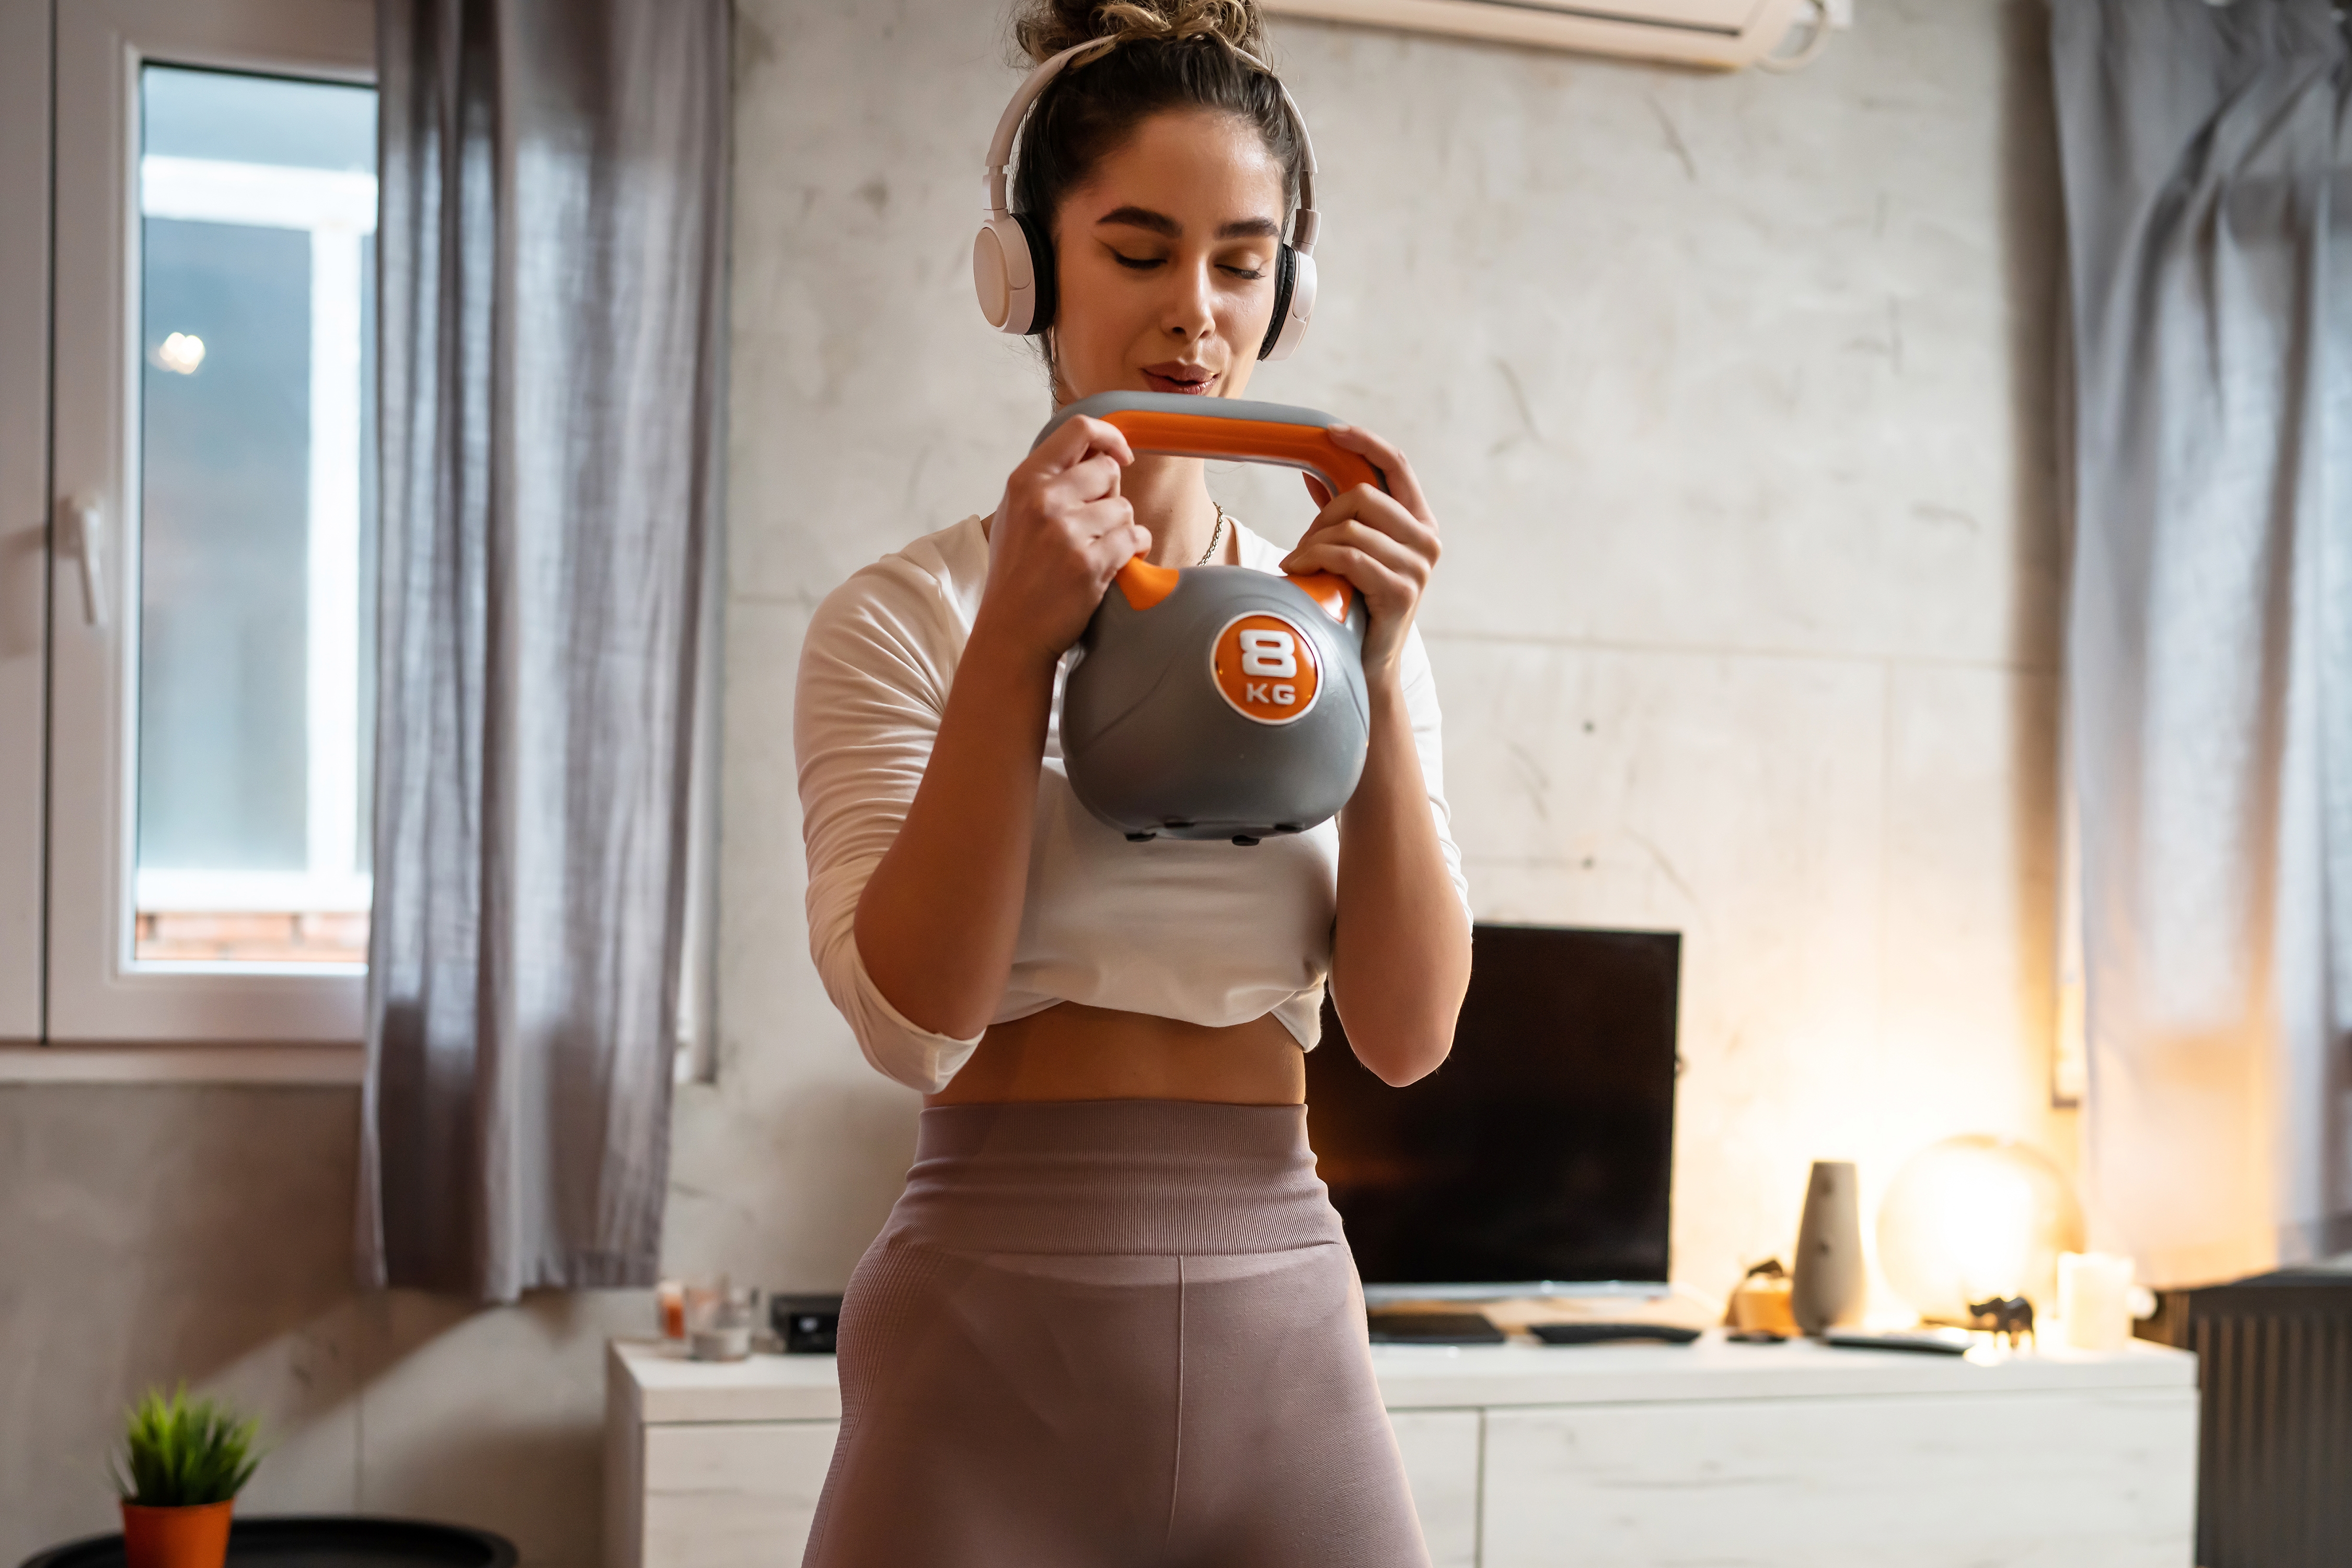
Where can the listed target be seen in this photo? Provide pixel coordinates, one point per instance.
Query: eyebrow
(1161, 223)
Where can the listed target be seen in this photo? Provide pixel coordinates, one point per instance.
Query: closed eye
(1139, 263)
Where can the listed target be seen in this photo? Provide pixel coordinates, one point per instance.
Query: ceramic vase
(193, 1537)
(1828, 1287)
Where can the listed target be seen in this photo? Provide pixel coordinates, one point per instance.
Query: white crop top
(1210, 932)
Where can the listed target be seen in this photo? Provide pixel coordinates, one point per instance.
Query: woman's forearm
(1400, 949)
(938, 917)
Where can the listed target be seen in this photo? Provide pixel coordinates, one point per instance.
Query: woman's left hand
(1385, 544)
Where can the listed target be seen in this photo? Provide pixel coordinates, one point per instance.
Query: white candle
(2094, 1300)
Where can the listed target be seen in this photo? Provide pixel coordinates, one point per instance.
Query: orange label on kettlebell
(1265, 668)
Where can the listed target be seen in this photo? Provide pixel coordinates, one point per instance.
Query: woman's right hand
(1061, 533)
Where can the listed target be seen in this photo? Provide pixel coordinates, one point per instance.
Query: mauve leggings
(1120, 1334)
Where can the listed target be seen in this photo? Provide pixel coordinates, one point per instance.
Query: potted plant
(182, 1464)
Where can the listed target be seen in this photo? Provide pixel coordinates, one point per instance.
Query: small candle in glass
(723, 1329)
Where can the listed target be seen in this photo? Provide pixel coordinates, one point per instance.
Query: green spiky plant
(181, 1452)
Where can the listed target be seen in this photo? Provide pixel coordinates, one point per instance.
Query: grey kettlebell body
(1219, 701)
(1153, 745)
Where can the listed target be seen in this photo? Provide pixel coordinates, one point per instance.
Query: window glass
(255, 632)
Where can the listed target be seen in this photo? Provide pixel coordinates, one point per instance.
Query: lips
(1187, 380)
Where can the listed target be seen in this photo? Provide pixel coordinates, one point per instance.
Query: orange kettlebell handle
(1249, 432)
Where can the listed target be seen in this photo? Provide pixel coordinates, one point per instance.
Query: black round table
(321, 1540)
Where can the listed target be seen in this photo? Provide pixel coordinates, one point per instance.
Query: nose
(1191, 313)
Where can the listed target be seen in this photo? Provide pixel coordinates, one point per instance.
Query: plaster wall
(1733, 394)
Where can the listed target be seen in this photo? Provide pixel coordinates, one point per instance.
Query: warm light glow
(1973, 1217)
(1988, 1225)
(181, 352)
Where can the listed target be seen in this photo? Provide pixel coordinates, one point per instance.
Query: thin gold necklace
(1215, 534)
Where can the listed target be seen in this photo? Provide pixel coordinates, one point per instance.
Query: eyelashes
(1146, 263)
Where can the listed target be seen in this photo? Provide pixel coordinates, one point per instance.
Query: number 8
(1268, 653)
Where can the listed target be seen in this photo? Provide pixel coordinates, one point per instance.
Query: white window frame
(96, 994)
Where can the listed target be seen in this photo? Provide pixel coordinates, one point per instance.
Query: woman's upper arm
(872, 685)
(1419, 684)
(872, 682)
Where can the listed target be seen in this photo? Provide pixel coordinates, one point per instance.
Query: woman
(1113, 1319)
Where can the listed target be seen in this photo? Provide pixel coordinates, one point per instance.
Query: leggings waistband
(1115, 1176)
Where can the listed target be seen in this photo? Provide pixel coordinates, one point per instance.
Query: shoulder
(923, 595)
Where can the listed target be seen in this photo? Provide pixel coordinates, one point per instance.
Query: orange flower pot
(194, 1537)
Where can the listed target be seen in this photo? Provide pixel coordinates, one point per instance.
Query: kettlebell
(1219, 701)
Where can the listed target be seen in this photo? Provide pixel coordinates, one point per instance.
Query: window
(211, 604)
(257, 194)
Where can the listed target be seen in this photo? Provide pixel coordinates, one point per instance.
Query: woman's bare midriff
(1071, 1051)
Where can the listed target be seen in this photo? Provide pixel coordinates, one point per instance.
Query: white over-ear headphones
(1012, 256)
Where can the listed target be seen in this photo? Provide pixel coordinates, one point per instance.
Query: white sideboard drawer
(733, 1494)
(743, 1494)
(2038, 1480)
(1441, 1465)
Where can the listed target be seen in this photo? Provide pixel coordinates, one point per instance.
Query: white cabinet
(714, 1464)
(736, 1495)
(1608, 1457)
(1441, 1450)
(2050, 1480)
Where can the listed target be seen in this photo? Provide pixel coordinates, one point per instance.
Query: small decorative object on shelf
(669, 1310)
(2011, 1319)
(1760, 1303)
(182, 1464)
(720, 1318)
(806, 1325)
(2097, 1300)
(1828, 1288)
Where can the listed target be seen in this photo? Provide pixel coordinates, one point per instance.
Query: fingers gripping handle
(1232, 428)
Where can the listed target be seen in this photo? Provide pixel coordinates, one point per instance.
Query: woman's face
(1166, 260)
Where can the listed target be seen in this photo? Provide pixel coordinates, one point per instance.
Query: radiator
(2274, 1462)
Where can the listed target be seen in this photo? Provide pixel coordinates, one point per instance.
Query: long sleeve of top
(1200, 931)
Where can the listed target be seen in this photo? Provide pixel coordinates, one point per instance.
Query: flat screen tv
(1538, 1157)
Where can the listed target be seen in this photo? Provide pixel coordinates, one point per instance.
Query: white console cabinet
(1634, 1456)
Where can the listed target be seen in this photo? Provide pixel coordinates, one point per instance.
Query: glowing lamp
(1977, 1217)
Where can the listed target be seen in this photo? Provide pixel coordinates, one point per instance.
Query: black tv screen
(1542, 1149)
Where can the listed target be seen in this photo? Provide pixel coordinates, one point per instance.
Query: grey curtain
(2207, 175)
(552, 254)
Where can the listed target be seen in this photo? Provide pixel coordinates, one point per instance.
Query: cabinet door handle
(86, 537)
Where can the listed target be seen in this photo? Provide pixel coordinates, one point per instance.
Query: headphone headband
(1303, 222)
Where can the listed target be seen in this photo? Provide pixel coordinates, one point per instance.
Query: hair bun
(1049, 26)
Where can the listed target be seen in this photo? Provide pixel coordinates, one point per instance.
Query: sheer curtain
(551, 263)
(2208, 173)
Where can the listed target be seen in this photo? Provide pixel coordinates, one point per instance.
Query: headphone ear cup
(1293, 303)
(1286, 278)
(1040, 268)
(1001, 276)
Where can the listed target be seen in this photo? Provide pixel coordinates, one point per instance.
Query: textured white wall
(1733, 392)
